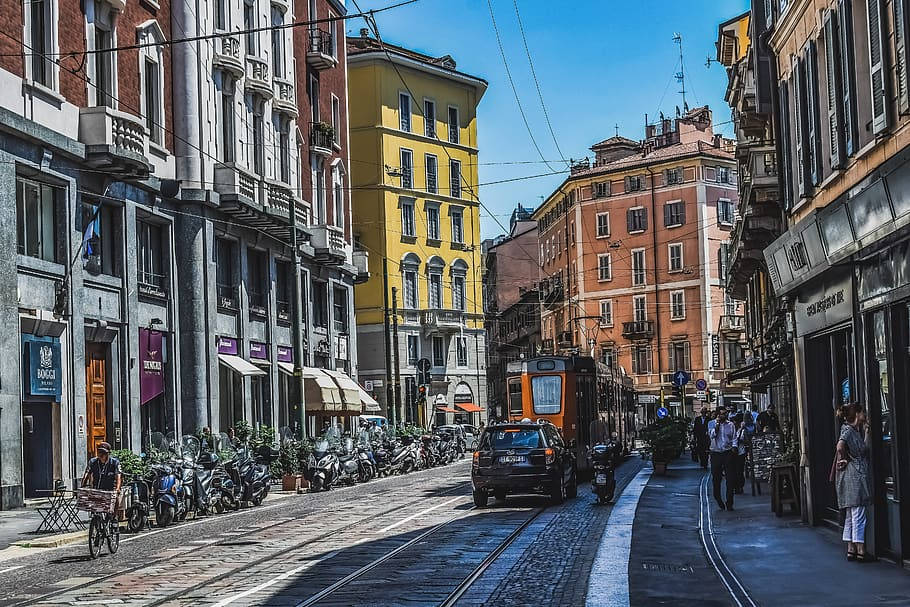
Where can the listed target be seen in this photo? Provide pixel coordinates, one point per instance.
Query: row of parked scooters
(344, 459)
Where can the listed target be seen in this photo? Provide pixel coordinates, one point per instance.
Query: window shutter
(786, 165)
(681, 213)
(769, 13)
(628, 184)
(644, 219)
(668, 215)
(877, 66)
(900, 43)
(848, 79)
(630, 219)
(833, 76)
(813, 135)
(799, 128)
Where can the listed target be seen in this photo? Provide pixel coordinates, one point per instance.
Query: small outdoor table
(60, 514)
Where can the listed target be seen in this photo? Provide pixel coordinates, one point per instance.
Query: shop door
(37, 448)
(95, 397)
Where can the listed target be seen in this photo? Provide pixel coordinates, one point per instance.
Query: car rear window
(511, 438)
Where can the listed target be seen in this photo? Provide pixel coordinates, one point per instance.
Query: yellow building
(413, 132)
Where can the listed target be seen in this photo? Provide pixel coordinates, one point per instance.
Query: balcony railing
(257, 77)
(329, 244)
(230, 179)
(284, 100)
(732, 323)
(322, 137)
(442, 321)
(115, 141)
(638, 329)
(320, 52)
(227, 54)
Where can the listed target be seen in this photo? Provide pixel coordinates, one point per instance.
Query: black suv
(523, 457)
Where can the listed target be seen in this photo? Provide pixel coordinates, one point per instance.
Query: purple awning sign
(285, 354)
(151, 365)
(227, 345)
(259, 350)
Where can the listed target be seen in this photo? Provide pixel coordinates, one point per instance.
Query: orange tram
(573, 392)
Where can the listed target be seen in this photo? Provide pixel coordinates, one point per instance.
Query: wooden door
(95, 397)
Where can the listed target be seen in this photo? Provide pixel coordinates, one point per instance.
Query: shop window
(257, 280)
(101, 237)
(36, 219)
(226, 273)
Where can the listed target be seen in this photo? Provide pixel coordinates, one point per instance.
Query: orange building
(633, 259)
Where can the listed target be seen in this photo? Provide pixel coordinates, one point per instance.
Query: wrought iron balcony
(329, 244)
(320, 52)
(257, 77)
(322, 138)
(227, 54)
(638, 329)
(442, 321)
(115, 142)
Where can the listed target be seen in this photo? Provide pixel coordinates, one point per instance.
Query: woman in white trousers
(852, 478)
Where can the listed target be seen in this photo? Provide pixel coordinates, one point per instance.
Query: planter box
(290, 482)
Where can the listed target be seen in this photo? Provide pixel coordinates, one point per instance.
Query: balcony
(284, 99)
(442, 321)
(565, 339)
(115, 142)
(329, 244)
(638, 329)
(547, 346)
(227, 54)
(319, 52)
(257, 77)
(361, 261)
(282, 5)
(759, 175)
(322, 138)
(732, 324)
(232, 181)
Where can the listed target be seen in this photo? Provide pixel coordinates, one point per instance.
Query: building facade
(633, 252)
(150, 191)
(413, 122)
(842, 129)
(512, 303)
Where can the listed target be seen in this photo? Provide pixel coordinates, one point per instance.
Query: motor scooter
(603, 481)
(324, 463)
(138, 501)
(170, 498)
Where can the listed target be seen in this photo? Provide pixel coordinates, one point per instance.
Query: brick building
(633, 257)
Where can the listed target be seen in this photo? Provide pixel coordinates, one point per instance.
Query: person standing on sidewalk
(723, 444)
(768, 421)
(700, 435)
(740, 452)
(851, 478)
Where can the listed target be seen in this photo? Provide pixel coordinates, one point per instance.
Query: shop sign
(259, 350)
(368, 385)
(715, 351)
(227, 345)
(647, 399)
(285, 354)
(45, 377)
(825, 306)
(151, 365)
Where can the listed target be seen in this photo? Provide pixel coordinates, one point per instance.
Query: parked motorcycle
(326, 469)
(603, 481)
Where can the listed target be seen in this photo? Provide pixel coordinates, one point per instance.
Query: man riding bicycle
(103, 472)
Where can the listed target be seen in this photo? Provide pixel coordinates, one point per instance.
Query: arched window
(410, 265)
(459, 272)
(151, 72)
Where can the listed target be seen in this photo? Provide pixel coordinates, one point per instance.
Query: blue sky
(599, 64)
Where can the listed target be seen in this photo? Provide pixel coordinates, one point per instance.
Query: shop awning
(370, 405)
(749, 371)
(447, 410)
(771, 375)
(240, 365)
(287, 368)
(469, 407)
(350, 391)
(322, 393)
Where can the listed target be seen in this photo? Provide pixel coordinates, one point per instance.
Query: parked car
(471, 436)
(524, 457)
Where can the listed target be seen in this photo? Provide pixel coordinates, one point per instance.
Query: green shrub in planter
(130, 463)
(288, 461)
(665, 439)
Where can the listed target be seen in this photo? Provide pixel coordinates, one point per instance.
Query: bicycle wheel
(113, 534)
(95, 535)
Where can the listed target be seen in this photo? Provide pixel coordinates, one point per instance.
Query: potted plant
(304, 450)
(289, 465)
(664, 440)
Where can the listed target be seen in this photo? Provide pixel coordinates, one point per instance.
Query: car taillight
(551, 455)
(477, 457)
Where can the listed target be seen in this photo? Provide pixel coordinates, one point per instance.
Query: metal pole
(395, 350)
(298, 320)
(389, 389)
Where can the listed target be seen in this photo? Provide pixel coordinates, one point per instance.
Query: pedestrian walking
(768, 421)
(722, 433)
(739, 454)
(700, 437)
(850, 472)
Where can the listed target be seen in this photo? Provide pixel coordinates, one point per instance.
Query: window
(634, 183)
(41, 39)
(641, 360)
(455, 178)
(461, 351)
(454, 128)
(439, 351)
(636, 220)
(640, 308)
(432, 222)
(410, 289)
(407, 218)
(338, 195)
(404, 112)
(734, 355)
(429, 118)
(101, 238)
(730, 305)
(407, 169)
(602, 189)
(674, 214)
(283, 135)
(546, 394)
(723, 174)
(431, 166)
(340, 310)
(603, 225)
(676, 257)
(848, 78)
(515, 397)
(725, 214)
(833, 76)
(320, 293)
(314, 99)
(249, 23)
(336, 120)
(608, 356)
(283, 277)
(435, 294)
(257, 283)
(152, 107)
(228, 138)
(679, 356)
(879, 47)
(36, 219)
(413, 349)
(458, 297)
(673, 176)
(225, 273)
(333, 38)
(277, 43)
(604, 267)
(151, 255)
(677, 305)
(221, 15)
(319, 211)
(457, 227)
(723, 254)
(606, 313)
(638, 267)
(102, 63)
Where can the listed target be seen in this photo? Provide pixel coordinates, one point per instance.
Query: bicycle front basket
(96, 500)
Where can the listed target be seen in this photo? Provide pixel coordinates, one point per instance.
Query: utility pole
(681, 75)
(297, 321)
(389, 389)
(395, 350)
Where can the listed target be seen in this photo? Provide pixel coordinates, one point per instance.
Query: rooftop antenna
(616, 127)
(681, 75)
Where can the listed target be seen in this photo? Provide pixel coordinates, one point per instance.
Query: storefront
(155, 416)
(42, 388)
(232, 370)
(260, 385)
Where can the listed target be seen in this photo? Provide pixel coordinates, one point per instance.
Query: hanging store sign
(259, 350)
(151, 365)
(824, 306)
(285, 354)
(715, 351)
(227, 345)
(45, 375)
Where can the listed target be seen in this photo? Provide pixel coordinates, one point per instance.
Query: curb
(52, 541)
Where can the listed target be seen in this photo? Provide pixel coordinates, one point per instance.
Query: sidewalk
(17, 527)
(776, 561)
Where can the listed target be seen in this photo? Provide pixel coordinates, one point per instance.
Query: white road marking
(421, 513)
(8, 569)
(608, 584)
(274, 580)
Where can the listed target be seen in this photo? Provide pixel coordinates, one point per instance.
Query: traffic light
(712, 396)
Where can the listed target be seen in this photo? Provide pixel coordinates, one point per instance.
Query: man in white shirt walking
(723, 443)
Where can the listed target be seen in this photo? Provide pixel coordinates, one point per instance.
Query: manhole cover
(667, 568)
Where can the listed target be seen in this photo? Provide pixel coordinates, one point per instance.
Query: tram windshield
(546, 391)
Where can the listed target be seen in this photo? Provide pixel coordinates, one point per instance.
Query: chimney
(364, 33)
(718, 140)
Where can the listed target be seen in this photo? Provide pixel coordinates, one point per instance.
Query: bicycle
(104, 525)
